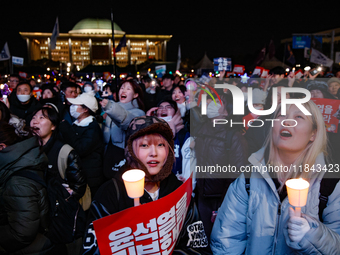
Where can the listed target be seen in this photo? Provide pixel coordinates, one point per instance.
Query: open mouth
(153, 163)
(123, 96)
(177, 99)
(164, 115)
(285, 133)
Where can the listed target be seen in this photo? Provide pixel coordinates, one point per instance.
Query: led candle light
(297, 190)
(134, 184)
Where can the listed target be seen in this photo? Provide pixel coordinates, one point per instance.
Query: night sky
(219, 28)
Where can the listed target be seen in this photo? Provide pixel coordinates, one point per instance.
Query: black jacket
(74, 175)
(24, 204)
(23, 111)
(107, 202)
(89, 144)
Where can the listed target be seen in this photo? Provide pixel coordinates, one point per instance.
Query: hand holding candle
(297, 190)
(134, 184)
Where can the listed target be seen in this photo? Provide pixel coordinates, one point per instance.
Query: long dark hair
(137, 89)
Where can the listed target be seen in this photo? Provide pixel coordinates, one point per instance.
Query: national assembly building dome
(95, 26)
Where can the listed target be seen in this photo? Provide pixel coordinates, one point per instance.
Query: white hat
(85, 99)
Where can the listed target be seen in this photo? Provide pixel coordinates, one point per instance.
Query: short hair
(15, 76)
(182, 88)
(168, 76)
(68, 84)
(171, 102)
(24, 83)
(277, 70)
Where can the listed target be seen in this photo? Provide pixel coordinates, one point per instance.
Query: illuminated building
(90, 42)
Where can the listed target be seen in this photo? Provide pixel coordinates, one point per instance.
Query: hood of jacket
(22, 155)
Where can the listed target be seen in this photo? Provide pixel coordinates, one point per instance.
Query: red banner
(258, 70)
(329, 109)
(151, 228)
(239, 69)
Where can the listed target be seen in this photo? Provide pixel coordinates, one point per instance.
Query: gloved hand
(297, 227)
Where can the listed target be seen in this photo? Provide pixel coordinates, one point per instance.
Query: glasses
(167, 107)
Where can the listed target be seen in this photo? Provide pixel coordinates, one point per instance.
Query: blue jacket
(118, 118)
(257, 224)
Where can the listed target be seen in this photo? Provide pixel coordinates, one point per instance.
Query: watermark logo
(238, 100)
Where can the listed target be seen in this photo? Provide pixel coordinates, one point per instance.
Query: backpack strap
(62, 159)
(327, 187)
(116, 187)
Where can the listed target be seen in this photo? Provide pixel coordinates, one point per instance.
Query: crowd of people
(83, 136)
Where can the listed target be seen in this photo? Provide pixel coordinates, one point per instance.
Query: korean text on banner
(221, 64)
(154, 231)
(330, 110)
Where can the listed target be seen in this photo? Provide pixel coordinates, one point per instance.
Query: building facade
(90, 42)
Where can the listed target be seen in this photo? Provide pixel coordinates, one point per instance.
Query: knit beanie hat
(145, 125)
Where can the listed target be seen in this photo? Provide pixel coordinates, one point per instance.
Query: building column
(147, 49)
(49, 48)
(129, 51)
(164, 51)
(110, 52)
(90, 47)
(29, 53)
(70, 50)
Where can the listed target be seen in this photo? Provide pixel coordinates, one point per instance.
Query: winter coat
(118, 118)
(212, 150)
(106, 203)
(24, 204)
(257, 223)
(88, 143)
(74, 175)
(23, 111)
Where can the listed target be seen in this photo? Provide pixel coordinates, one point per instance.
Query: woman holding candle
(149, 147)
(259, 219)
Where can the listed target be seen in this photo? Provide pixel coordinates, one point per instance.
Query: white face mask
(167, 118)
(23, 98)
(73, 111)
(87, 89)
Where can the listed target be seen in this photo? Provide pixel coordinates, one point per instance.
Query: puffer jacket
(88, 143)
(24, 204)
(74, 175)
(118, 118)
(257, 224)
(212, 149)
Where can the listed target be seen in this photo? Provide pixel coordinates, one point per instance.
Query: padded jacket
(88, 143)
(257, 223)
(74, 175)
(24, 203)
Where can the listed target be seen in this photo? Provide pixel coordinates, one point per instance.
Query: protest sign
(239, 69)
(151, 228)
(160, 70)
(221, 64)
(329, 109)
(258, 71)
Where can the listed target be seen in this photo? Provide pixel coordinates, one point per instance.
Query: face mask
(87, 89)
(23, 98)
(167, 118)
(73, 111)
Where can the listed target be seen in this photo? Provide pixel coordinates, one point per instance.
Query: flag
(122, 43)
(318, 58)
(178, 58)
(261, 56)
(271, 49)
(55, 34)
(290, 58)
(5, 55)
